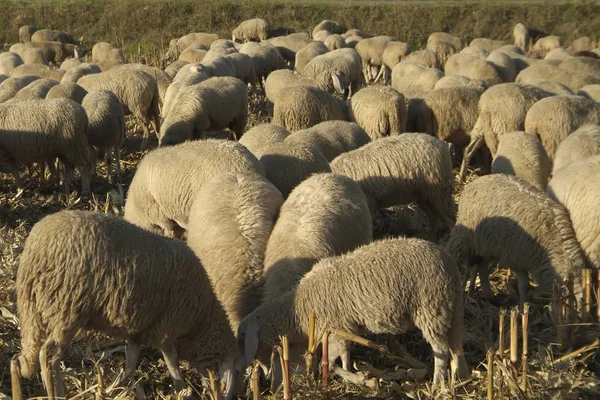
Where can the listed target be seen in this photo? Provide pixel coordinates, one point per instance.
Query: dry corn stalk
(276, 350)
(514, 345)
(100, 387)
(525, 323)
(215, 389)
(325, 359)
(560, 321)
(15, 379)
(501, 347)
(490, 374)
(587, 281)
(255, 382)
(285, 367)
(598, 297)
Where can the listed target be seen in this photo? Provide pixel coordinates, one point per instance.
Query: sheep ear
(337, 83)
(251, 341)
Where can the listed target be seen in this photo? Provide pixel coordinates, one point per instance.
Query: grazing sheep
(552, 87)
(520, 228)
(152, 202)
(393, 54)
(371, 51)
(451, 81)
(345, 60)
(331, 26)
(256, 29)
(425, 58)
(11, 86)
(303, 107)
(185, 41)
(379, 110)
(355, 32)
(475, 52)
(567, 114)
(288, 164)
(25, 33)
(39, 70)
(352, 41)
(442, 48)
(574, 80)
(586, 65)
(521, 36)
(103, 51)
(418, 285)
(163, 80)
(399, 169)
(218, 66)
(266, 59)
(244, 68)
(575, 187)
(174, 67)
(229, 226)
(334, 42)
(583, 143)
(214, 104)
(414, 80)
(83, 69)
(583, 43)
(70, 63)
(502, 109)
(49, 35)
(262, 135)
(591, 92)
(307, 53)
(70, 91)
(29, 55)
(288, 46)
(322, 35)
(193, 55)
(457, 42)
(545, 44)
(504, 64)
(57, 52)
(325, 216)
(488, 45)
(472, 68)
(188, 75)
(522, 155)
(106, 130)
(35, 131)
(332, 138)
(8, 62)
(278, 82)
(136, 90)
(559, 54)
(36, 90)
(164, 296)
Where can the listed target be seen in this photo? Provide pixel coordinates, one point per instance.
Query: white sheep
(289, 46)
(331, 26)
(591, 92)
(164, 297)
(334, 42)
(547, 43)
(580, 144)
(379, 110)
(371, 53)
(70, 91)
(472, 68)
(487, 44)
(425, 58)
(11, 86)
(262, 135)
(36, 90)
(255, 29)
(399, 169)
(418, 285)
(167, 179)
(393, 54)
(83, 69)
(103, 51)
(574, 80)
(346, 60)
(521, 36)
(40, 70)
(414, 80)
(50, 35)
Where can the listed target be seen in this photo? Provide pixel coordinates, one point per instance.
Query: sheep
(25, 33)
(36, 90)
(218, 66)
(472, 68)
(326, 215)
(346, 60)
(70, 63)
(586, 65)
(164, 296)
(522, 155)
(568, 113)
(266, 59)
(414, 80)
(35, 131)
(49, 35)
(575, 187)
(355, 32)
(457, 42)
(332, 138)
(504, 64)
(442, 48)
(545, 44)
(29, 55)
(352, 41)
(393, 54)
(574, 80)
(106, 130)
(322, 35)
(288, 164)
(216, 103)
(8, 62)
(288, 46)
(502, 109)
(11, 86)
(3, 78)
(476, 52)
(450, 81)
(136, 90)
(192, 55)
(151, 201)
(256, 29)
(380, 111)
(244, 68)
(426, 58)
(57, 52)
(504, 219)
(419, 285)
(371, 51)
(521, 36)
(399, 169)
(174, 67)
(591, 92)
(70, 91)
(188, 75)
(40, 70)
(103, 51)
(183, 42)
(229, 226)
(331, 26)
(83, 69)
(281, 80)
(488, 45)
(583, 43)
(582, 143)
(552, 86)
(303, 107)
(307, 53)
(262, 135)
(334, 42)
(163, 80)
(558, 54)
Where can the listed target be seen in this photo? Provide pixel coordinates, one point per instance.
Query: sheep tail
(460, 368)
(31, 341)
(154, 112)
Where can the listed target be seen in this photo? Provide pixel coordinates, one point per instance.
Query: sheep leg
(170, 355)
(484, 278)
(46, 372)
(523, 284)
(146, 136)
(85, 179)
(132, 354)
(440, 364)
(67, 178)
(117, 155)
(108, 159)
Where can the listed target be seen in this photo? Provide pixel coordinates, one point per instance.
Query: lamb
(307, 53)
(216, 103)
(406, 272)
(11, 86)
(106, 130)
(49, 35)
(35, 131)
(331, 26)
(152, 203)
(326, 215)
(399, 169)
(591, 92)
(581, 144)
(425, 58)
(256, 29)
(165, 297)
(380, 111)
(502, 109)
(36, 90)
(25, 33)
(332, 138)
(414, 80)
(103, 51)
(57, 52)
(568, 113)
(575, 187)
(39, 70)
(519, 227)
(371, 54)
(346, 60)
(472, 68)
(545, 44)
(521, 36)
(83, 69)
(334, 42)
(8, 62)
(262, 135)
(136, 90)
(70, 91)
(303, 107)
(288, 164)
(522, 155)
(230, 222)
